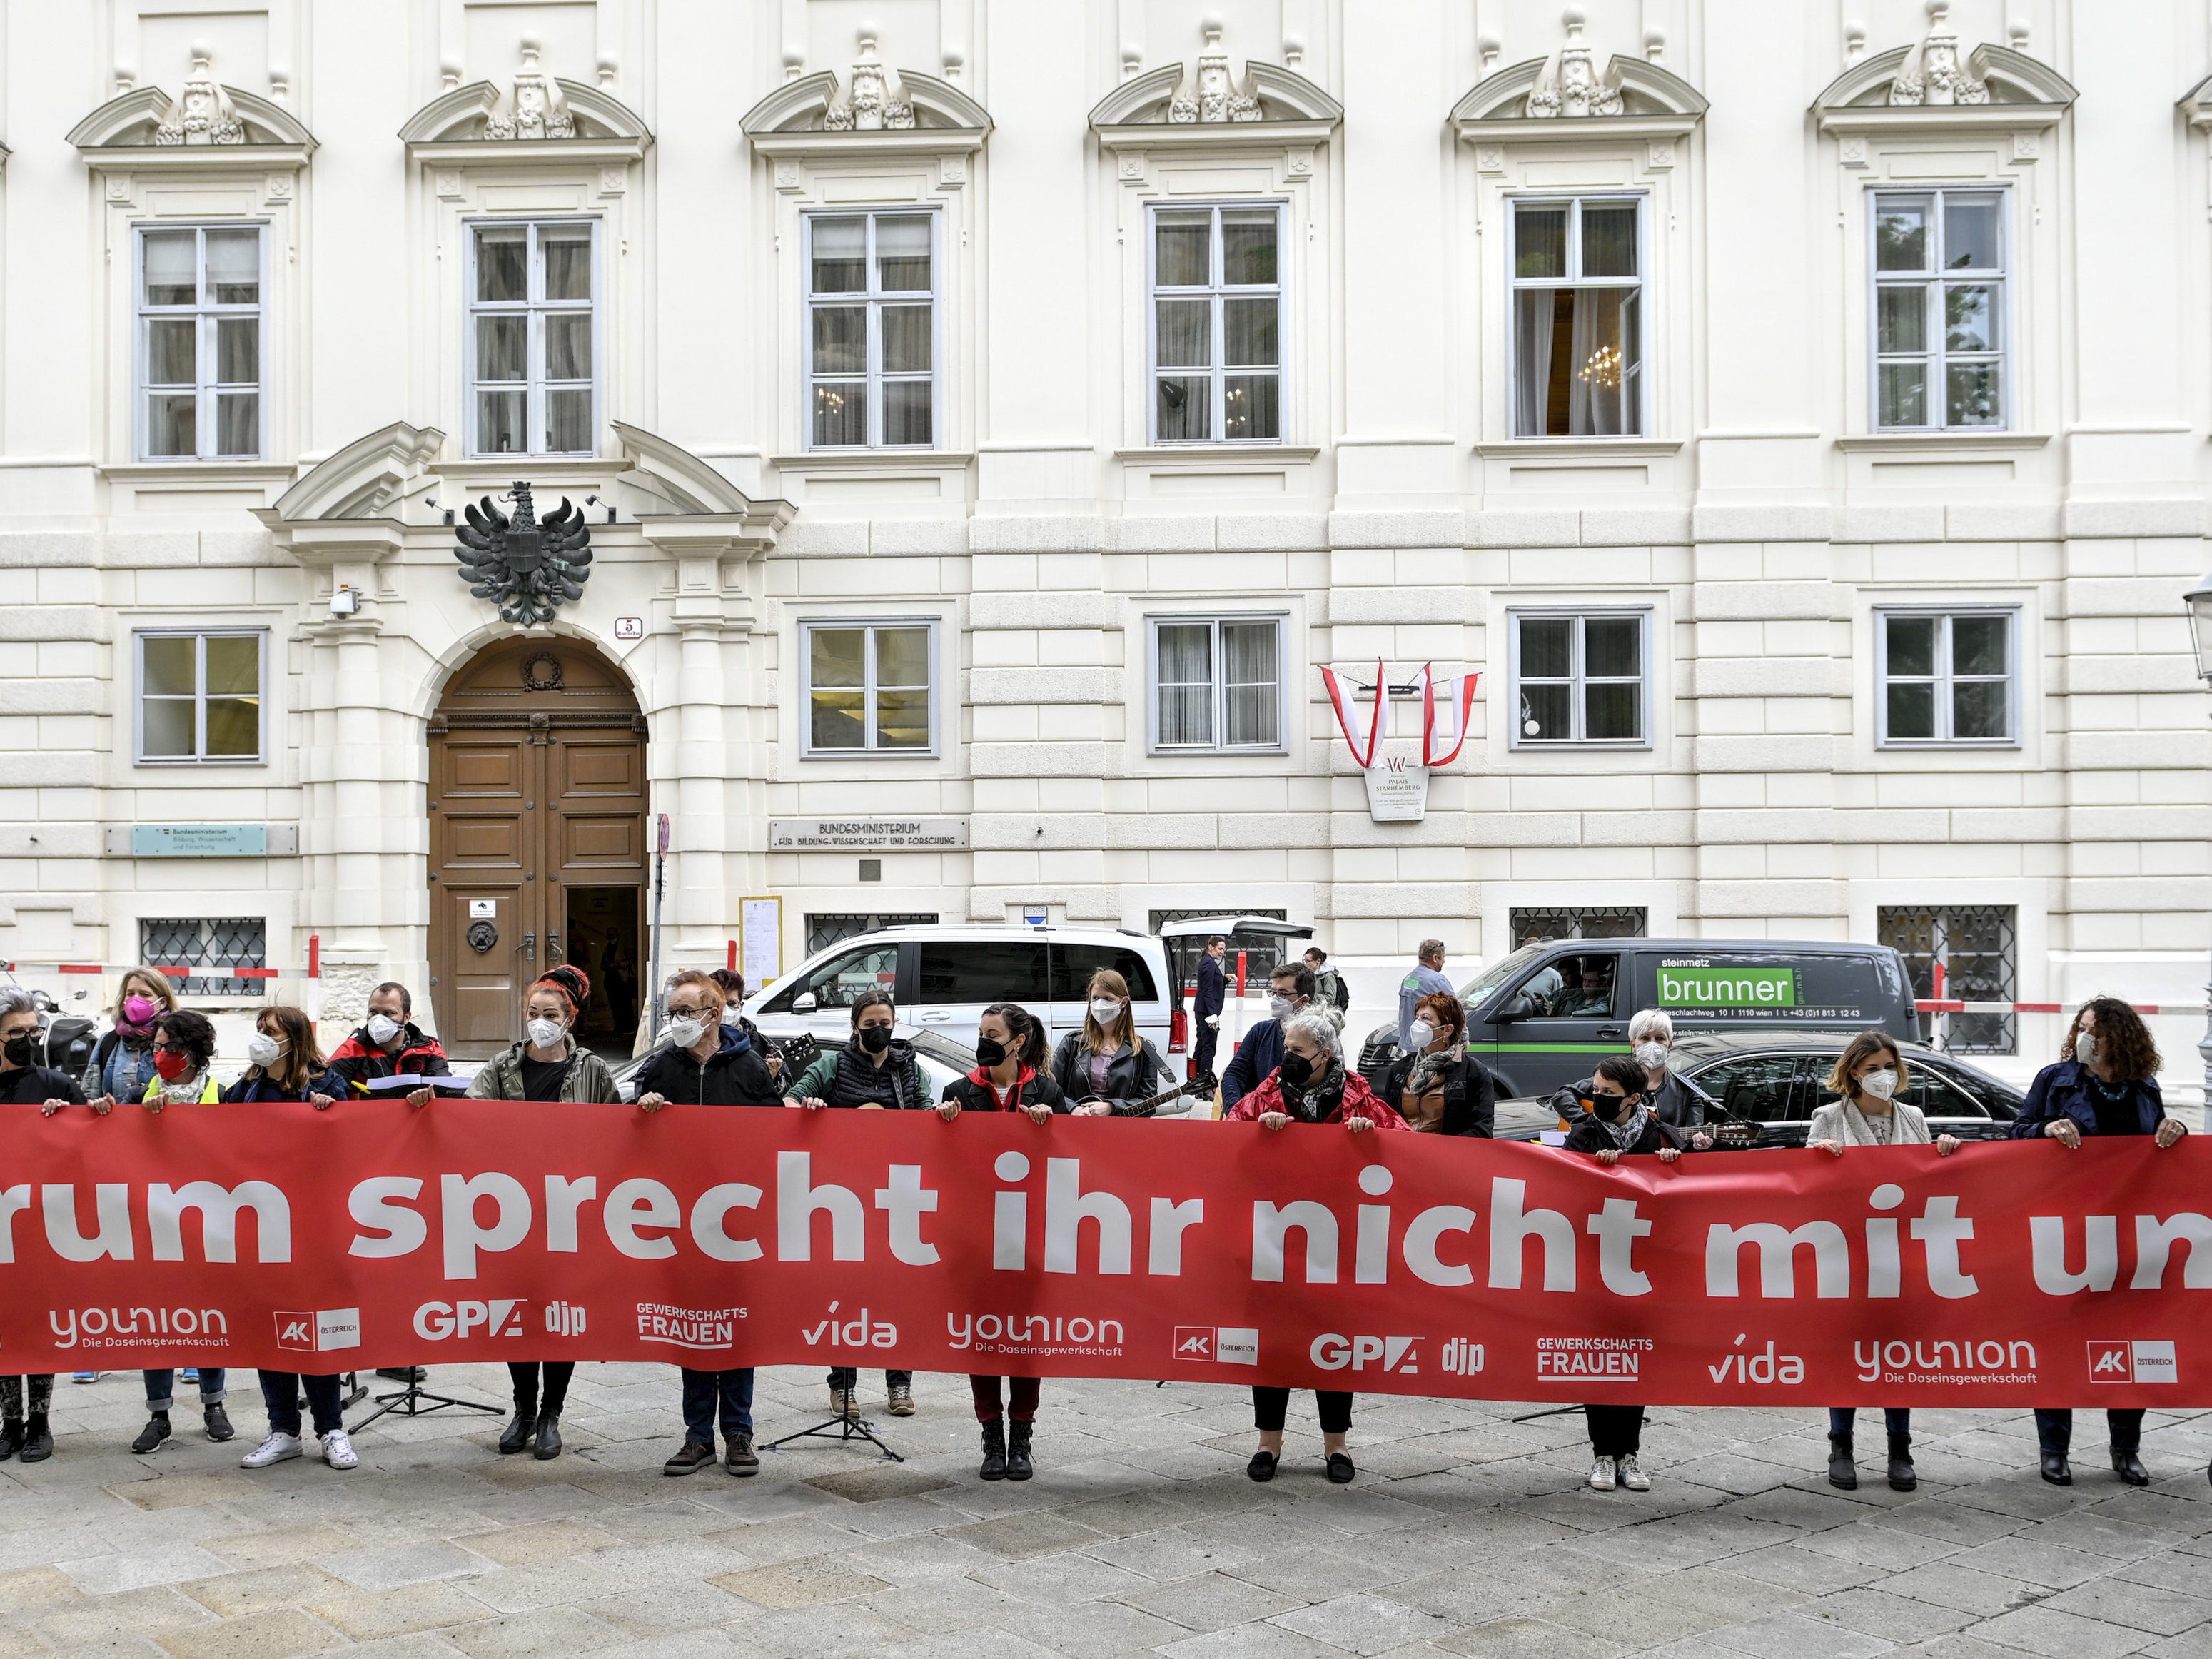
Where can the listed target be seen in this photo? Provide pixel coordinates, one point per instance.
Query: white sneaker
(277, 1449)
(338, 1452)
(1601, 1475)
(1633, 1478)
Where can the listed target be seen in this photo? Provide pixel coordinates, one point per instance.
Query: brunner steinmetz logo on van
(1698, 984)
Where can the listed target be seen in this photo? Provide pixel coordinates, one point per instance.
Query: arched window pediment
(1934, 85)
(535, 114)
(203, 121)
(1203, 103)
(1567, 96)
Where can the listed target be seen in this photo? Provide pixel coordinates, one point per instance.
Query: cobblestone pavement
(1466, 1533)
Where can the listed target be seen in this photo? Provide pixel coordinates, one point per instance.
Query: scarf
(1317, 1101)
(1626, 1135)
(1873, 1128)
(1428, 1067)
(184, 1090)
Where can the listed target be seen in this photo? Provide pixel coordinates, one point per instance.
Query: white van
(943, 977)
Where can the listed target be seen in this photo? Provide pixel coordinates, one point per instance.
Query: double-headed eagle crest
(529, 566)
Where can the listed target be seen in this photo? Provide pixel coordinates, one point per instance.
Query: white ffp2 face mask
(382, 1028)
(686, 1029)
(1421, 1033)
(2085, 1048)
(1651, 1055)
(1105, 1010)
(1880, 1084)
(547, 1032)
(263, 1050)
(1281, 1007)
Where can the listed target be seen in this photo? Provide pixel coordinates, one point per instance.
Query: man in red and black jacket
(388, 1044)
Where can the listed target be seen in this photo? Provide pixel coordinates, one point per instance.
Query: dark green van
(1541, 1016)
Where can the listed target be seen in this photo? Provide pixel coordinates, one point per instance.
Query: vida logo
(861, 1333)
(1757, 1366)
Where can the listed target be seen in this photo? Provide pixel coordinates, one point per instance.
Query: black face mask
(21, 1048)
(1614, 1109)
(1297, 1070)
(875, 1038)
(989, 1052)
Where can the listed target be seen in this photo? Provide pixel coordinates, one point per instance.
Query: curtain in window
(1532, 361)
(1594, 389)
(1186, 683)
(1248, 699)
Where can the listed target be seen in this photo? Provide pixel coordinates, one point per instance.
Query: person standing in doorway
(1427, 980)
(2103, 1083)
(1206, 1009)
(548, 1064)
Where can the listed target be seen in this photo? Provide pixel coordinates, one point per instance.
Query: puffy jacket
(733, 1075)
(1470, 1095)
(1359, 1101)
(1679, 1104)
(819, 1080)
(974, 1093)
(2062, 1089)
(586, 1079)
(355, 1061)
(1129, 1073)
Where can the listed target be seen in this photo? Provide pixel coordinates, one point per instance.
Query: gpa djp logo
(1226, 1345)
(319, 1332)
(2133, 1362)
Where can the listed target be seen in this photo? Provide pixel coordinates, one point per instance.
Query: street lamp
(2198, 601)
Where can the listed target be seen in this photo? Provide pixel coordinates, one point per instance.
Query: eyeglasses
(171, 1048)
(675, 1012)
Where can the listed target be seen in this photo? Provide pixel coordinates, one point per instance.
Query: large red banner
(1382, 1262)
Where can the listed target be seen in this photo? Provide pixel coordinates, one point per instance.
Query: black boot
(1842, 1471)
(1018, 1467)
(2055, 1469)
(994, 1451)
(1901, 1477)
(548, 1443)
(11, 1437)
(522, 1430)
(2130, 1467)
(38, 1439)
(155, 1431)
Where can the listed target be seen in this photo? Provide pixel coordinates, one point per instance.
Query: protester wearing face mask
(708, 1062)
(874, 1071)
(1674, 1100)
(22, 1083)
(1311, 1085)
(547, 1065)
(282, 1062)
(1290, 990)
(734, 1003)
(2105, 1082)
(1867, 1113)
(123, 1060)
(1619, 1123)
(184, 1054)
(388, 1044)
(1437, 1086)
(1010, 1076)
(1106, 1068)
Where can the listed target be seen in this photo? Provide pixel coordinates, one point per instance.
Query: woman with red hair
(547, 1065)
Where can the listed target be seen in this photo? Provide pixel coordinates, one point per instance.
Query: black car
(1774, 1084)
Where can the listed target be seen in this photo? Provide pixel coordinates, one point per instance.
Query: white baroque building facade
(989, 414)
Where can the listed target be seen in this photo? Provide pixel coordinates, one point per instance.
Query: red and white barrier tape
(1942, 1007)
(197, 970)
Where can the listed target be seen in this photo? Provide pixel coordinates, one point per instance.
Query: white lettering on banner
(2154, 1243)
(111, 1205)
(1038, 1334)
(905, 1201)
(1332, 1352)
(636, 1203)
(1511, 1228)
(14, 1201)
(712, 1210)
(1777, 1256)
(459, 1198)
(797, 1199)
(437, 1321)
(1067, 1206)
(218, 1208)
(1967, 1359)
(375, 1204)
(2100, 1254)
(116, 1328)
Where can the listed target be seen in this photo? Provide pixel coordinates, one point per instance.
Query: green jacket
(588, 1077)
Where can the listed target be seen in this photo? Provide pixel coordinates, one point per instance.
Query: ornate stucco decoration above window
(1933, 86)
(145, 129)
(874, 110)
(533, 116)
(2196, 108)
(1567, 98)
(1199, 106)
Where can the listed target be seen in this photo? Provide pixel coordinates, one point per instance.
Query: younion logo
(1728, 987)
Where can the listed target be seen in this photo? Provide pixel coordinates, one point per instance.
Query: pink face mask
(139, 1010)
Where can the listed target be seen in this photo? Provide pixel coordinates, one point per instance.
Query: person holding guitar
(1009, 1077)
(1106, 1068)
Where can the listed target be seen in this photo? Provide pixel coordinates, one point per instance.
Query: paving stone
(1895, 1618)
(160, 1564)
(1209, 1602)
(2056, 1635)
(1796, 1635)
(2027, 1557)
(543, 1631)
(277, 1634)
(799, 1584)
(1363, 1624)
(1528, 1639)
(2139, 1607)
(402, 1564)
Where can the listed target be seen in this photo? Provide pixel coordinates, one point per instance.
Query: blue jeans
(280, 1393)
(161, 1388)
(703, 1391)
(1897, 1419)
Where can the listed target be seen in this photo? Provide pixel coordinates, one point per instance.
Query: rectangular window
(1959, 953)
(1581, 678)
(1543, 926)
(1217, 683)
(871, 330)
(1216, 329)
(533, 338)
(200, 697)
(1945, 677)
(868, 687)
(1577, 323)
(1939, 309)
(825, 931)
(208, 946)
(200, 343)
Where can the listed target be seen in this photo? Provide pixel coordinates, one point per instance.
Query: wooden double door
(537, 843)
